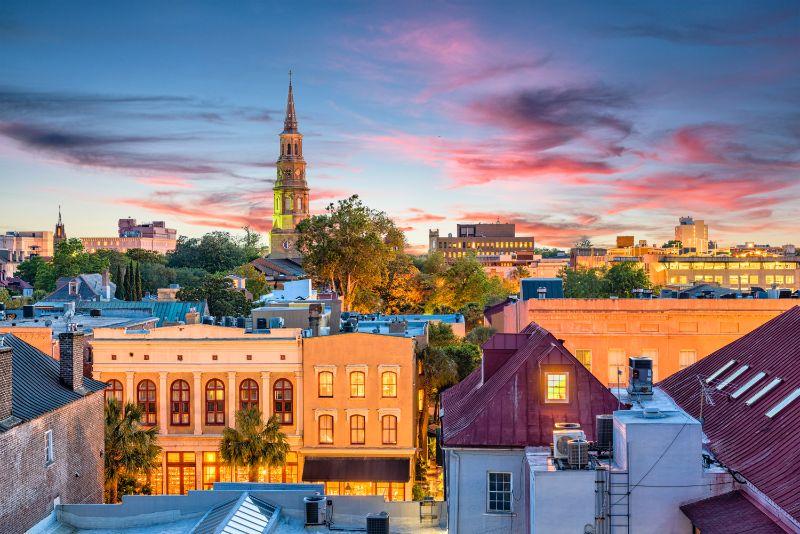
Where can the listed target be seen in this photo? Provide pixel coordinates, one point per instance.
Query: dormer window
(556, 387)
(73, 287)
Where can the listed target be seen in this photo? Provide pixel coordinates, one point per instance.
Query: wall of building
(40, 337)
(28, 487)
(467, 501)
(123, 244)
(675, 333)
(562, 501)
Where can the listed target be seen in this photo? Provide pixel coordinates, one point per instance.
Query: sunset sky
(567, 118)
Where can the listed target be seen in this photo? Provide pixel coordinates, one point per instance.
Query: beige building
(602, 333)
(162, 245)
(494, 244)
(17, 247)
(736, 273)
(693, 235)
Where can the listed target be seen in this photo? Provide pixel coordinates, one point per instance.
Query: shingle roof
(729, 513)
(741, 436)
(37, 389)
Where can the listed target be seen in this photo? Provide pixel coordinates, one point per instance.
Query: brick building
(51, 432)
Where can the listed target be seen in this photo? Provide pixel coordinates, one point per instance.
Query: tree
(584, 242)
(145, 256)
(438, 371)
(137, 283)
(253, 444)
(5, 297)
(433, 263)
(622, 278)
(255, 281)
(583, 283)
(349, 247)
(28, 268)
(130, 449)
(129, 289)
(440, 334)
(219, 293)
(215, 252)
(119, 281)
(520, 272)
(466, 356)
(401, 290)
(479, 335)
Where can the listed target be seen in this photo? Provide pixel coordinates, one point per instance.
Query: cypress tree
(138, 282)
(129, 282)
(119, 291)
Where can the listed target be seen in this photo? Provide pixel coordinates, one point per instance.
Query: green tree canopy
(252, 443)
(219, 293)
(466, 356)
(479, 335)
(623, 277)
(255, 281)
(592, 283)
(27, 269)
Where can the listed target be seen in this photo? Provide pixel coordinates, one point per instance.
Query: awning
(339, 469)
(729, 513)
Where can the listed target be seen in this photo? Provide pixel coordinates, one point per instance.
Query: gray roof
(37, 388)
(90, 287)
(167, 311)
(245, 515)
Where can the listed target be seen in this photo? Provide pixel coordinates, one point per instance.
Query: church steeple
(290, 122)
(60, 234)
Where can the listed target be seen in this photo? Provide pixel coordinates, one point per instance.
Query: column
(129, 386)
(266, 395)
(197, 404)
(163, 403)
(298, 401)
(230, 399)
(198, 469)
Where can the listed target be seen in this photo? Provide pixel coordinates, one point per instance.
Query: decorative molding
(350, 412)
(320, 368)
(389, 411)
(354, 367)
(393, 367)
(326, 411)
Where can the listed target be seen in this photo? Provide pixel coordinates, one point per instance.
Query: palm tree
(438, 371)
(253, 443)
(130, 449)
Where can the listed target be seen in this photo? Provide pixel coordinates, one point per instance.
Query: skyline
(566, 120)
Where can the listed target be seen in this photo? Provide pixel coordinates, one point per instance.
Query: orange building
(675, 333)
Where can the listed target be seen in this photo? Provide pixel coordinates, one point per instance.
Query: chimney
(192, 316)
(6, 387)
(106, 285)
(314, 318)
(71, 360)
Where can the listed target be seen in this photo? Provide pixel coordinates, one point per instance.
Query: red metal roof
(764, 450)
(730, 513)
(505, 408)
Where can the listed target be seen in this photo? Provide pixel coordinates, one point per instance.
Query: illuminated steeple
(290, 122)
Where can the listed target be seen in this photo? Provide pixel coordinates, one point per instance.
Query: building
(16, 247)
(84, 287)
(290, 193)
(740, 273)
(60, 233)
(16, 286)
(542, 288)
(494, 245)
(360, 414)
(693, 235)
(279, 270)
(51, 432)
(404, 325)
(603, 333)
(155, 237)
(527, 383)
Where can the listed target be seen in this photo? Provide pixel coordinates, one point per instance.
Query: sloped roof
(273, 267)
(506, 410)
(245, 515)
(166, 311)
(90, 287)
(729, 513)
(763, 449)
(37, 388)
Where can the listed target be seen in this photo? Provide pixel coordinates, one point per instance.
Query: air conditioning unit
(561, 439)
(316, 509)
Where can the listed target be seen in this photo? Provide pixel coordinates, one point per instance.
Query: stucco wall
(562, 501)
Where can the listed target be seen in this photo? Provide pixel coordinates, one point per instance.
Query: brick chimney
(6, 387)
(71, 359)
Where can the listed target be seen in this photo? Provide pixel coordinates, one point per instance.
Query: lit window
(498, 495)
(326, 384)
(49, 456)
(389, 429)
(282, 397)
(215, 402)
(248, 394)
(146, 399)
(389, 384)
(325, 429)
(585, 357)
(356, 384)
(114, 390)
(357, 429)
(179, 403)
(556, 387)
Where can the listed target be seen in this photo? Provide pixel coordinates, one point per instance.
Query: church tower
(60, 234)
(290, 194)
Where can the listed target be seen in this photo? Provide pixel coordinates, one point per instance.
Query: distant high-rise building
(693, 235)
(290, 193)
(60, 234)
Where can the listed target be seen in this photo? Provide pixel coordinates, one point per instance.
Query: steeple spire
(290, 122)
(59, 214)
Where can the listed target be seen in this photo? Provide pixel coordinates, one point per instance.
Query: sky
(567, 118)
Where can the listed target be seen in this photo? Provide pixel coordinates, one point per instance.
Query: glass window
(49, 454)
(325, 429)
(325, 384)
(556, 387)
(585, 357)
(248, 394)
(282, 396)
(356, 384)
(389, 384)
(357, 429)
(214, 470)
(146, 399)
(389, 429)
(617, 367)
(153, 478)
(179, 403)
(114, 390)
(181, 473)
(215, 402)
(687, 357)
(498, 495)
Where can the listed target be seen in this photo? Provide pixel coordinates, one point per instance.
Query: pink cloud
(166, 181)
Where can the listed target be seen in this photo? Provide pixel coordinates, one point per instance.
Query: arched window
(357, 429)
(287, 204)
(146, 399)
(215, 402)
(282, 396)
(299, 203)
(179, 403)
(114, 390)
(389, 384)
(289, 149)
(356, 384)
(389, 429)
(248, 394)
(326, 430)
(296, 150)
(325, 384)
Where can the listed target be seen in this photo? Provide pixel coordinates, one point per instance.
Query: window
(282, 395)
(49, 457)
(325, 384)
(296, 149)
(556, 387)
(498, 495)
(325, 430)
(179, 403)
(146, 399)
(357, 429)
(356, 384)
(114, 390)
(686, 358)
(214, 470)
(585, 357)
(617, 367)
(248, 394)
(181, 472)
(215, 402)
(389, 384)
(389, 429)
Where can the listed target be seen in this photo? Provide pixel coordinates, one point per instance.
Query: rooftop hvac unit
(261, 323)
(276, 322)
(641, 376)
(315, 509)
(207, 319)
(578, 453)
(604, 431)
(378, 523)
(561, 438)
(567, 426)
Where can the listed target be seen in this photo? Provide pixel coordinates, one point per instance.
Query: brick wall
(28, 487)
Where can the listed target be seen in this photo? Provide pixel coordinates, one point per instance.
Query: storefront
(360, 476)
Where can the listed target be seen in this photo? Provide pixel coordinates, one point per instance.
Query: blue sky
(567, 118)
